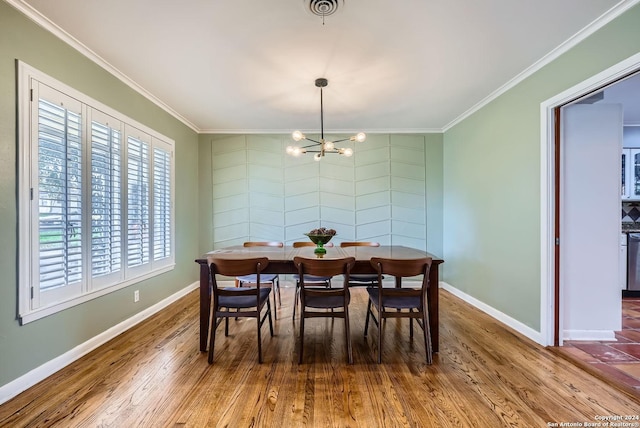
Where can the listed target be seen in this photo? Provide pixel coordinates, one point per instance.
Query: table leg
(434, 304)
(205, 305)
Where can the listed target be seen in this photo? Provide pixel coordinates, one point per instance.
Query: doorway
(553, 296)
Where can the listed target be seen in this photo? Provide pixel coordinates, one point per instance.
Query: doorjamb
(547, 189)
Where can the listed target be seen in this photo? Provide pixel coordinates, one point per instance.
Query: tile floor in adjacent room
(618, 361)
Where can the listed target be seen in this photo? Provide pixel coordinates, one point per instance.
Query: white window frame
(33, 303)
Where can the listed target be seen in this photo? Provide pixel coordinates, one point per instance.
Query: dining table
(281, 262)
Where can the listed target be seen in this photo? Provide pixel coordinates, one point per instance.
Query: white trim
(547, 214)
(571, 42)
(521, 328)
(592, 335)
(40, 373)
(37, 314)
(326, 131)
(547, 203)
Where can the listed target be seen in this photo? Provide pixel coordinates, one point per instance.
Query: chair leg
(301, 335)
(348, 334)
(426, 332)
(279, 295)
(366, 322)
(296, 298)
(269, 313)
(275, 307)
(212, 339)
(259, 336)
(226, 325)
(411, 326)
(380, 318)
(226, 329)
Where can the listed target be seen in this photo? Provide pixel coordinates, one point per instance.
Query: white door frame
(547, 186)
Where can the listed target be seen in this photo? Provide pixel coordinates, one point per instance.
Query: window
(96, 198)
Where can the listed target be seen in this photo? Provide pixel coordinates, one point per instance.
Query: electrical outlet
(136, 296)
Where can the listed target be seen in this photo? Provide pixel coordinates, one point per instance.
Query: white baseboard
(594, 335)
(521, 328)
(15, 387)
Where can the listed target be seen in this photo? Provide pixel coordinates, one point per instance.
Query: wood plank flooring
(485, 375)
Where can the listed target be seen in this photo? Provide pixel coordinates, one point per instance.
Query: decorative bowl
(319, 239)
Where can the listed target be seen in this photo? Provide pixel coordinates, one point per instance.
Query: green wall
(492, 178)
(24, 348)
(390, 191)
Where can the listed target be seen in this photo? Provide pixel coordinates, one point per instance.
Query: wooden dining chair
(361, 279)
(309, 279)
(403, 302)
(247, 302)
(273, 279)
(321, 301)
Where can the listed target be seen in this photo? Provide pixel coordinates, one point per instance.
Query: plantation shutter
(138, 239)
(161, 204)
(106, 199)
(59, 196)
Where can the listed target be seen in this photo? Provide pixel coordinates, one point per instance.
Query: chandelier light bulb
(348, 152)
(360, 137)
(289, 150)
(297, 151)
(317, 157)
(329, 145)
(297, 136)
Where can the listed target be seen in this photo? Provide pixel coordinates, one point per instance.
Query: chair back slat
(324, 267)
(238, 267)
(402, 267)
(263, 244)
(360, 244)
(299, 244)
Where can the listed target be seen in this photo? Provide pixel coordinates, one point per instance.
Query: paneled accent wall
(257, 192)
(408, 194)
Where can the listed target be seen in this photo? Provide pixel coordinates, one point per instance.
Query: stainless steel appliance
(633, 262)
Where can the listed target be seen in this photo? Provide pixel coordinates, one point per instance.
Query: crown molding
(571, 42)
(48, 25)
(326, 131)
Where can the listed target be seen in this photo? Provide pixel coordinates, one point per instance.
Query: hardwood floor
(485, 375)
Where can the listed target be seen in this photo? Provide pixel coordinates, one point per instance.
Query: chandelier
(322, 147)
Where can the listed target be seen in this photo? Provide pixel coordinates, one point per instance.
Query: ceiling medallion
(323, 8)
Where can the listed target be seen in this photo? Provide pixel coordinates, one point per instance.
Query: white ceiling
(627, 93)
(250, 65)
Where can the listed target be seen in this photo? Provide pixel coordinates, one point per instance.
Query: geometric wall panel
(408, 194)
(260, 193)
